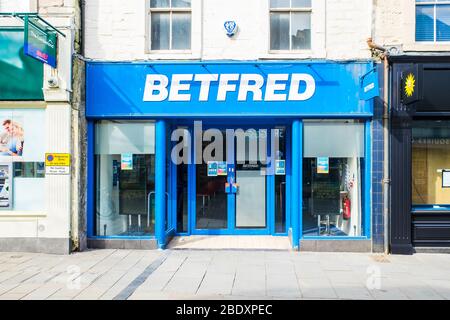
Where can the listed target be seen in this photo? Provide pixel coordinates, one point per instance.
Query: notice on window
(445, 178)
(221, 168)
(280, 167)
(212, 168)
(323, 165)
(57, 163)
(126, 161)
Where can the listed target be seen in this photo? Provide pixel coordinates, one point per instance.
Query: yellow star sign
(409, 85)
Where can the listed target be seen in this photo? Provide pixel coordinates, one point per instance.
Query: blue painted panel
(160, 184)
(117, 89)
(296, 189)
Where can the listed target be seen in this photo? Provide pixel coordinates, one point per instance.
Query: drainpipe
(386, 178)
(83, 25)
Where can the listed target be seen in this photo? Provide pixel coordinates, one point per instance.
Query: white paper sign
(445, 179)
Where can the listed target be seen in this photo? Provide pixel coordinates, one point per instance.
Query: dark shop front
(420, 154)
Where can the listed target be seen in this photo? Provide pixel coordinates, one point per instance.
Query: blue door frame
(231, 202)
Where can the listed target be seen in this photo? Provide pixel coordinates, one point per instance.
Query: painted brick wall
(116, 30)
(349, 24)
(395, 23)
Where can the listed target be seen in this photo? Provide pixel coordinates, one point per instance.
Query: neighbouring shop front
(229, 148)
(35, 136)
(420, 153)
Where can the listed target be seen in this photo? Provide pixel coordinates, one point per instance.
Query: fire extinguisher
(347, 208)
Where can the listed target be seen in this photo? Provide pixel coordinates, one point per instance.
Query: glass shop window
(431, 163)
(333, 162)
(170, 24)
(290, 24)
(125, 178)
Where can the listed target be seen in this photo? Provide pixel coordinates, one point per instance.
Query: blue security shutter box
(425, 23)
(20, 75)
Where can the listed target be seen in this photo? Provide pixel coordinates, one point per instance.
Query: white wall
(17, 5)
(116, 30)
(395, 25)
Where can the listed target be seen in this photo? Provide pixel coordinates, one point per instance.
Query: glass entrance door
(231, 182)
(251, 173)
(211, 209)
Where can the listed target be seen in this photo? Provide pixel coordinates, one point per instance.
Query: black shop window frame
(418, 208)
(434, 96)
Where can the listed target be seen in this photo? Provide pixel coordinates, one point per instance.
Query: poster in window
(12, 139)
(5, 200)
(212, 168)
(323, 165)
(126, 161)
(280, 167)
(222, 168)
(22, 135)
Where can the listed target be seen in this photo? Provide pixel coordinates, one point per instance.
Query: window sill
(427, 46)
(303, 54)
(172, 55)
(430, 208)
(21, 214)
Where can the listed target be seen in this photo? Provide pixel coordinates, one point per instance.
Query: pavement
(223, 274)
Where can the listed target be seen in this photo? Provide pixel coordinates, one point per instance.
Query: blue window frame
(432, 20)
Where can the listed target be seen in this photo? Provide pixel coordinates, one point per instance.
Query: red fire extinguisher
(347, 208)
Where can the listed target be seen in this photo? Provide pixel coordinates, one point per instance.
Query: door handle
(148, 207)
(148, 204)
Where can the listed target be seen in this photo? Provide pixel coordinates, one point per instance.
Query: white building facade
(160, 66)
(117, 31)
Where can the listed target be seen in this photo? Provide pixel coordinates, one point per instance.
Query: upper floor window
(170, 24)
(290, 24)
(432, 20)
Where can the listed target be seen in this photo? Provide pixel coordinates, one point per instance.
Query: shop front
(229, 148)
(420, 156)
(34, 202)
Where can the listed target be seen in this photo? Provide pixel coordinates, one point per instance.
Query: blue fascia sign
(225, 89)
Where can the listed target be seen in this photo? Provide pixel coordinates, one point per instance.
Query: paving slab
(223, 274)
(215, 283)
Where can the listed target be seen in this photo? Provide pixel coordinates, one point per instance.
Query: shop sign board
(410, 85)
(369, 85)
(40, 44)
(57, 163)
(228, 88)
